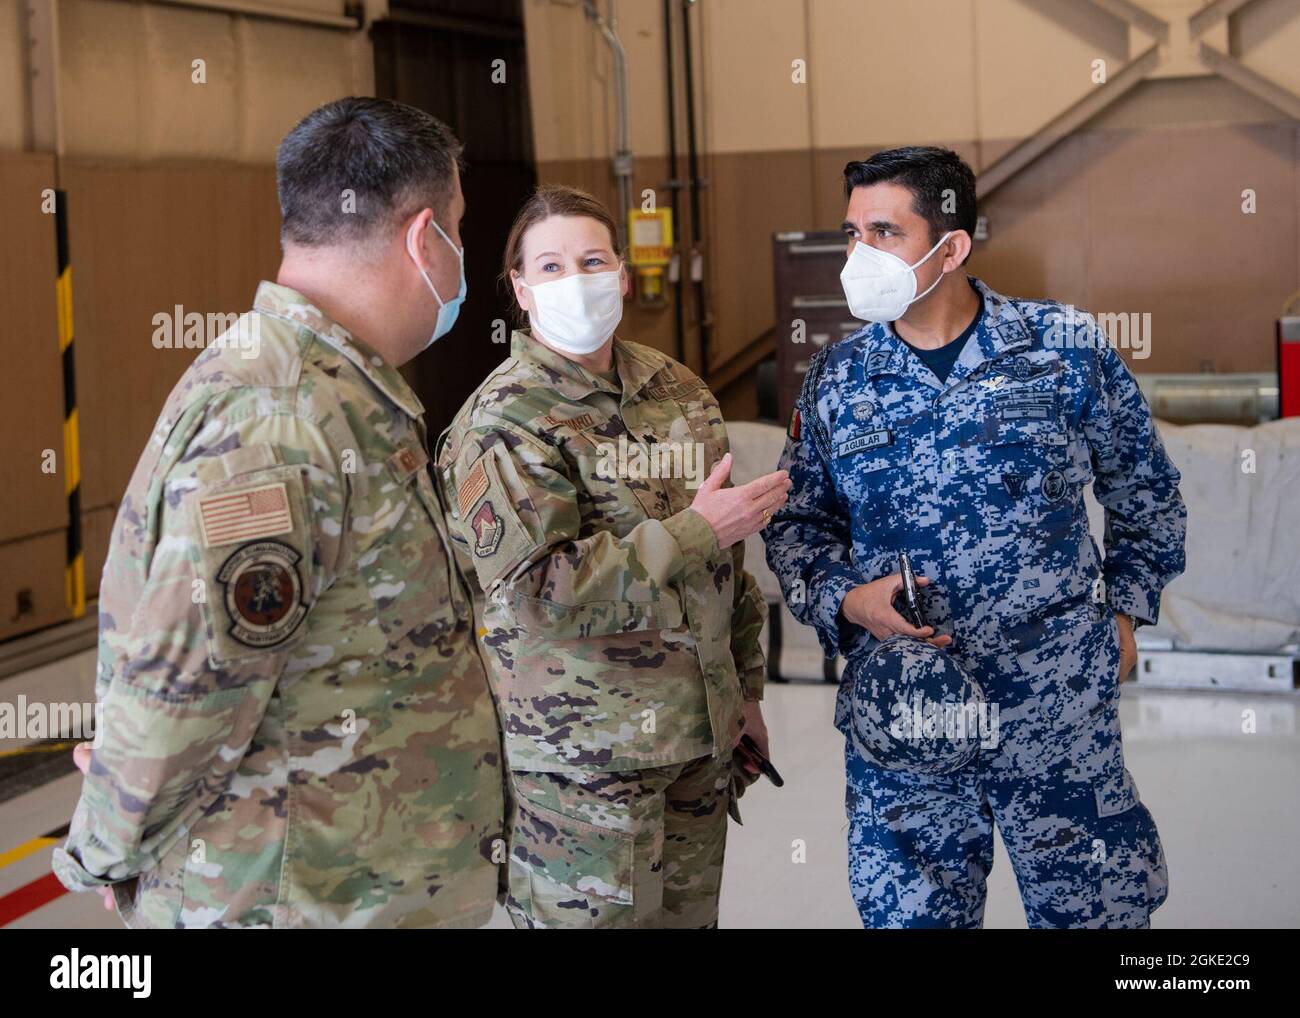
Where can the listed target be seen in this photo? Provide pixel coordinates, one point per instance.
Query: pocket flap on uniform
(1045, 625)
(595, 861)
(1027, 431)
(1116, 793)
(600, 618)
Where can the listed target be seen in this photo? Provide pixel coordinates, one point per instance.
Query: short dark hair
(395, 160)
(928, 172)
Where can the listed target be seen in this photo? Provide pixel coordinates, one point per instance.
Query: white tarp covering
(1241, 589)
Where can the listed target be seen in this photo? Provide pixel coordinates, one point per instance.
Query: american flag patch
(476, 483)
(245, 515)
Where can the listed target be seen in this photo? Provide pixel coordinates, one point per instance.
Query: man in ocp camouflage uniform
(298, 728)
(962, 427)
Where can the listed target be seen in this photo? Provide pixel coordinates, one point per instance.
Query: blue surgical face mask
(448, 310)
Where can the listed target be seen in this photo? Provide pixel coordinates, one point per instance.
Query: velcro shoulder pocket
(253, 559)
(495, 539)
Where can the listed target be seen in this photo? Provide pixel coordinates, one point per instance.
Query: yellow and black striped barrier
(75, 569)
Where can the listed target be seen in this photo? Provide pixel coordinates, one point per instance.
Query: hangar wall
(170, 192)
(1101, 221)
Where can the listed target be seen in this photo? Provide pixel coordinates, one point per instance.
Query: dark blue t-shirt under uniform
(941, 360)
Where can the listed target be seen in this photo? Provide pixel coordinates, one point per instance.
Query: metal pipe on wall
(674, 186)
(623, 128)
(696, 266)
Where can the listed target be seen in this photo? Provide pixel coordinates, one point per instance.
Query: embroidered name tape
(245, 515)
(673, 390)
(871, 440)
(580, 423)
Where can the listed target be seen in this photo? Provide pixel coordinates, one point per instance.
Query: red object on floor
(29, 898)
(1288, 366)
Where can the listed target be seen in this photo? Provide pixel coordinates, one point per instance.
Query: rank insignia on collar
(793, 430)
(879, 361)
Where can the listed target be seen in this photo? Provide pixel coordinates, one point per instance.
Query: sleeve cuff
(695, 538)
(834, 631)
(1131, 599)
(73, 875)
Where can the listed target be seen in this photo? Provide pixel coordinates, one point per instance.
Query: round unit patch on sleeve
(262, 593)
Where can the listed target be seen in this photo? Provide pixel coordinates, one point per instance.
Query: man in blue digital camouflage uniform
(962, 427)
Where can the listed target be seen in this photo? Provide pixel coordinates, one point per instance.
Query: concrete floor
(1227, 803)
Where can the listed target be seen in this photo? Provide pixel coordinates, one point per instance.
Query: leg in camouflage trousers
(618, 849)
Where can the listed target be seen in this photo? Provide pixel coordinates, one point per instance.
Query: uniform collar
(283, 302)
(1001, 329)
(572, 381)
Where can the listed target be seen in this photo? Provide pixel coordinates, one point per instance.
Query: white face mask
(576, 314)
(880, 286)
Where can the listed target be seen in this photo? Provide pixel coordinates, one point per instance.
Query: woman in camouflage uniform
(587, 482)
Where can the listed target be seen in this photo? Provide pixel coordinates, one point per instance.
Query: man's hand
(81, 757)
(1128, 648)
(871, 606)
(735, 513)
(756, 729)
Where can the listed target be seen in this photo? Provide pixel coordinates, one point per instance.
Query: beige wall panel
(570, 90)
(571, 81)
(1169, 237)
(127, 90)
(1034, 60)
(31, 419)
(1039, 230)
(287, 72)
(144, 239)
(13, 92)
(102, 72)
(885, 73)
(182, 117)
(1267, 37)
(752, 196)
(750, 102)
(1184, 102)
(641, 28)
(96, 529)
(828, 178)
(32, 569)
